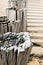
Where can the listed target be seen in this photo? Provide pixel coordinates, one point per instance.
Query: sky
(3, 6)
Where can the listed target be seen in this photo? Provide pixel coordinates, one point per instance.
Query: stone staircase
(35, 21)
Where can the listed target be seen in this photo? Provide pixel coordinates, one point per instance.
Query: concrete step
(38, 41)
(31, 12)
(35, 18)
(32, 17)
(37, 52)
(35, 29)
(36, 35)
(34, 21)
(35, 6)
(34, 24)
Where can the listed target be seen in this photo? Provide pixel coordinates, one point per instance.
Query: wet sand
(37, 58)
(35, 61)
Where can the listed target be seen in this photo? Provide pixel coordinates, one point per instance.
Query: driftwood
(15, 50)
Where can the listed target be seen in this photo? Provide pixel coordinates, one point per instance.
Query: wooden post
(11, 57)
(23, 57)
(24, 21)
(7, 27)
(4, 58)
(1, 62)
(2, 30)
(20, 58)
(27, 53)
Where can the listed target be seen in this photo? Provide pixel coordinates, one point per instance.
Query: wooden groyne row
(15, 49)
